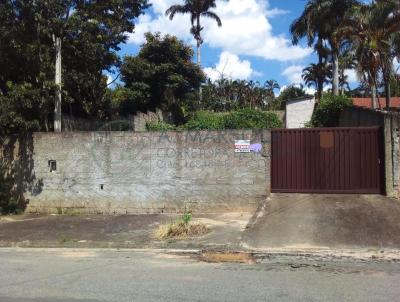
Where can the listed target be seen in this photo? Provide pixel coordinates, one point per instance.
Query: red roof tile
(366, 102)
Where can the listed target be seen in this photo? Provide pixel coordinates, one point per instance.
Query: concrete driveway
(326, 221)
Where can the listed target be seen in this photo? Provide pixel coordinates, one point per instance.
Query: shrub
(328, 110)
(251, 119)
(241, 119)
(159, 126)
(186, 217)
(8, 204)
(205, 120)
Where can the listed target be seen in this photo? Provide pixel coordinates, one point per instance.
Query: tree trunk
(199, 64)
(199, 59)
(388, 93)
(320, 89)
(57, 107)
(374, 96)
(335, 80)
(198, 53)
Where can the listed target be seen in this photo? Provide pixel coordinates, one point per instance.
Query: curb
(259, 255)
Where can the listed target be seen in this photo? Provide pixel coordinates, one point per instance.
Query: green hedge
(159, 126)
(241, 119)
(205, 120)
(328, 110)
(252, 119)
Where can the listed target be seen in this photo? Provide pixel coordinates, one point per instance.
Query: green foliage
(159, 126)
(289, 93)
(25, 108)
(197, 9)
(186, 217)
(161, 76)
(242, 119)
(225, 94)
(8, 203)
(328, 110)
(251, 119)
(205, 120)
(91, 34)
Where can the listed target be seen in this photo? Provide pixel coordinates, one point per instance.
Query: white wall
(299, 112)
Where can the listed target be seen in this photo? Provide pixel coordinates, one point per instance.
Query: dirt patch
(180, 230)
(232, 257)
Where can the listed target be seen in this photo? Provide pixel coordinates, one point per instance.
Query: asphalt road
(105, 275)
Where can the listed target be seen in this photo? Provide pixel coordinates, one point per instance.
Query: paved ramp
(333, 221)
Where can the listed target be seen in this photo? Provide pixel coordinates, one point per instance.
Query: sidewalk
(126, 231)
(328, 226)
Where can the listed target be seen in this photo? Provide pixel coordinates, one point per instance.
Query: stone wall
(128, 172)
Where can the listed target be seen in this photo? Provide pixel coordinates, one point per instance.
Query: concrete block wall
(128, 172)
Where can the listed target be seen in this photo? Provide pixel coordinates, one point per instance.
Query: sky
(252, 44)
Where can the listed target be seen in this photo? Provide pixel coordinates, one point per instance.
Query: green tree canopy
(91, 32)
(161, 76)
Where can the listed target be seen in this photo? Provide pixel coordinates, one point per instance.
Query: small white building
(299, 111)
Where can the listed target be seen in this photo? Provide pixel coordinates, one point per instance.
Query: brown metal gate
(327, 160)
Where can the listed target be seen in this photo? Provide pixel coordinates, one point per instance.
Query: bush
(205, 120)
(159, 126)
(241, 119)
(252, 119)
(8, 204)
(328, 110)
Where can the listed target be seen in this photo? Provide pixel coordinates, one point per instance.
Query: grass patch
(181, 229)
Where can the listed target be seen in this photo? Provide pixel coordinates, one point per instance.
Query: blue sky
(253, 42)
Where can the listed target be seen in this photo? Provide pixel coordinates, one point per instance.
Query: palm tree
(389, 11)
(316, 75)
(372, 30)
(318, 22)
(271, 85)
(196, 9)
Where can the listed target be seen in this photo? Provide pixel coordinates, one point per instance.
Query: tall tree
(372, 30)
(319, 21)
(271, 86)
(90, 32)
(197, 9)
(161, 76)
(317, 75)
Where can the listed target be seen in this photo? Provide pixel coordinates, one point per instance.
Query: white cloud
(245, 29)
(351, 76)
(396, 66)
(109, 79)
(230, 66)
(293, 74)
(178, 27)
(310, 90)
